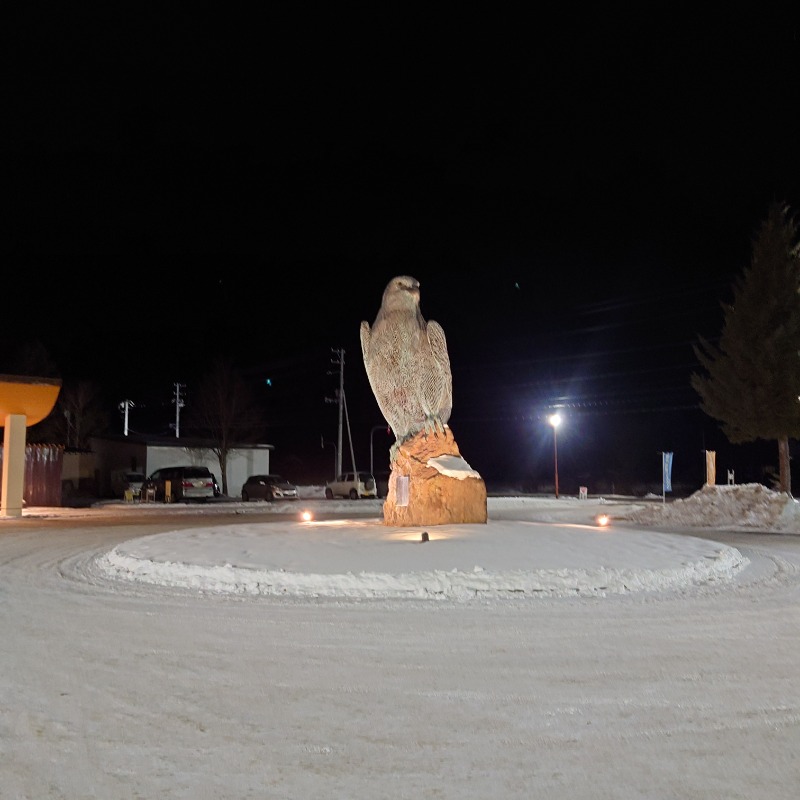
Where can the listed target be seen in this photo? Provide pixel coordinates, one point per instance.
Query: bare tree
(78, 415)
(225, 410)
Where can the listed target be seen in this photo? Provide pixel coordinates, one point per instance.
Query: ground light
(306, 516)
(602, 520)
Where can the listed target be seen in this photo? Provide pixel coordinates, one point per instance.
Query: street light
(555, 421)
(335, 459)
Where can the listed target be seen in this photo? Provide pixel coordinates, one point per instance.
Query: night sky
(574, 195)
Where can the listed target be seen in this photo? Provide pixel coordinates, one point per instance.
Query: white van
(180, 484)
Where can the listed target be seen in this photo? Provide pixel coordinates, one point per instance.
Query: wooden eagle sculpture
(407, 363)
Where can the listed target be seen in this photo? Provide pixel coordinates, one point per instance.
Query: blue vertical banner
(667, 471)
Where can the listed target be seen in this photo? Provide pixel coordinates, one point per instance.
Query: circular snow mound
(366, 559)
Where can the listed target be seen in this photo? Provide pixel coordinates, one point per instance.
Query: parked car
(127, 480)
(185, 483)
(269, 488)
(354, 485)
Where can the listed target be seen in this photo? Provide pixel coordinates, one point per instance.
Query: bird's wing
(365, 337)
(440, 399)
(438, 344)
(380, 375)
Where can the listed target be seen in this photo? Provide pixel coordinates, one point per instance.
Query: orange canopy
(33, 397)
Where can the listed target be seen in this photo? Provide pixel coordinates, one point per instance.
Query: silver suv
(353, 485)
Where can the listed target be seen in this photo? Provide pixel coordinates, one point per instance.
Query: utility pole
(349, 434)
(340, 396)
(179, 404)
(340, 399)
(124, 406)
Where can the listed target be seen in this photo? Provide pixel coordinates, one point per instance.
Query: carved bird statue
(407, 363)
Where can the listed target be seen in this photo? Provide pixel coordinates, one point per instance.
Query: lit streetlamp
(555, 421)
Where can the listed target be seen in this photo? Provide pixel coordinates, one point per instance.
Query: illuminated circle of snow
(365, 559)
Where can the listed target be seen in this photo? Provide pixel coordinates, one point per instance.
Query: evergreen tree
(751, 383)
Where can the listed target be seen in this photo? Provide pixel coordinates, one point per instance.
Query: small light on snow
(602, 520)
(306, 516)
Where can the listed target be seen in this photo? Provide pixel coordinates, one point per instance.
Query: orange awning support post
(24, 401)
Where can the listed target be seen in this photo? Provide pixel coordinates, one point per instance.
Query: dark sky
(575, 196)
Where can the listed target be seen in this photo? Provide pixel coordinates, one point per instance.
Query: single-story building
(54, 476)
(147, 454)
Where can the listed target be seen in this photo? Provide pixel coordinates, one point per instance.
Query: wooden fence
(42, 482)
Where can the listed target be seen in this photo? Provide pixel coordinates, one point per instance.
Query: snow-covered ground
(388, 667)
(364, 558)
(515, 553)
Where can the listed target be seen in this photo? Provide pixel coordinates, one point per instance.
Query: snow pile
(749, 506)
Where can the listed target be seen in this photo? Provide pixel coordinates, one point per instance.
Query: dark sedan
(268, 487)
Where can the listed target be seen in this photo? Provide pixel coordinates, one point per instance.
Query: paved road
(128, 691)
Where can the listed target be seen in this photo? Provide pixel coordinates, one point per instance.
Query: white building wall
(241, 464)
